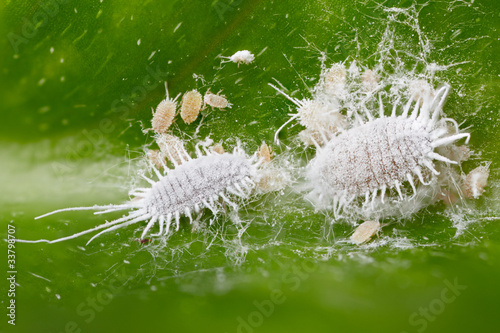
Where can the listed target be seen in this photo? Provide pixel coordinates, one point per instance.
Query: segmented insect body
(381, 154)
(322, 119)
(475, 181)
(171, 148)
(164, 114)
(194, 185)
(265, 152)
(334, 80)
(155, 157)
(369, 80)
(218, 148)
(365, 231)
(216, 101)
(241, 57)
(191, 105)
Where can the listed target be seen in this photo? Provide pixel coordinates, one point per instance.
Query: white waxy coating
(365, 231)
(172, 148)
(271, 179)
(369, 80)
(320, 117)
(369, 156)
(420, 88)
(196, 184)
(156, 157)
(475, 182)
(196, 181)
(335, 78)
(242, 57)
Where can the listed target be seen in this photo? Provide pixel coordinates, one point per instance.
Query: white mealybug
(155, 157)
(171, 148)
(365, 231)
(270, 178)
(322, 119)
(194, 185)
(369, 80)
(241, 57)
(164, 114)
(334, 80)
(420, 88)
(475, 181)
(215, 100)
(382, 154)
(191, 105)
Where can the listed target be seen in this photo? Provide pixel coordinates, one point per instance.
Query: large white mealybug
(383, 153)
(207, 181)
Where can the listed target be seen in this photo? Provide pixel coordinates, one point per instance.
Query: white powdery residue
(263, 50)
(39, 276)
(241, 57)
(177, 27)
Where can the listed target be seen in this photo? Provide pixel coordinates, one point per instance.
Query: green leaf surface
(78, 81)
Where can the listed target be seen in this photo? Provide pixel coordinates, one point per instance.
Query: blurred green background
(79, 79)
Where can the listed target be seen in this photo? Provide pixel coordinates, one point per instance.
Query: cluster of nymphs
(164, 116)
(372, 162)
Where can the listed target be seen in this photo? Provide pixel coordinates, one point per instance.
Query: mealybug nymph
(164, 114)
(241, 57)
(191, 105)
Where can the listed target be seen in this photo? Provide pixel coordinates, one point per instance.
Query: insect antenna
(108, 208)
(294, 101)
(134, 217)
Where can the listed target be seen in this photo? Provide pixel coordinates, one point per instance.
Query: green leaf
(77, 85)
